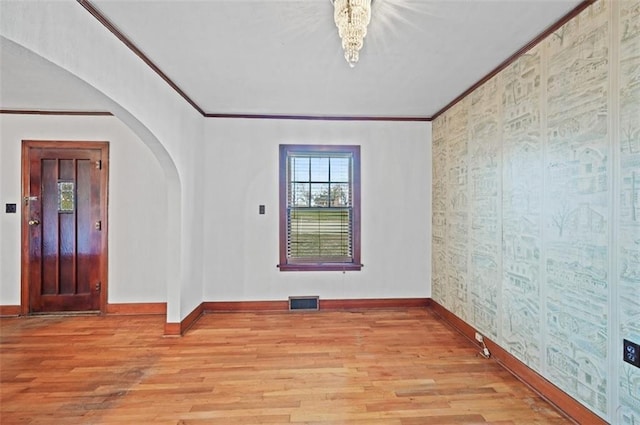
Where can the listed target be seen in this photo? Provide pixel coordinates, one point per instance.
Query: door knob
(34, 222)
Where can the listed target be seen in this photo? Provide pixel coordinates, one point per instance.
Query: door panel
(65, 223)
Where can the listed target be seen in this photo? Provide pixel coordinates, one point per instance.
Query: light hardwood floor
(396, 367)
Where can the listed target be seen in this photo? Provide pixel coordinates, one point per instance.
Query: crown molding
(120, 36)
(93, 10)
(115, 31)
(318, 117)
(544, 34)
(51, 112)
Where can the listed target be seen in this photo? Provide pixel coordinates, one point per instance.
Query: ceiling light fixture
(352, 18)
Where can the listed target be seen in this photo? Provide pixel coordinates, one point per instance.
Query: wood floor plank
(391, 367)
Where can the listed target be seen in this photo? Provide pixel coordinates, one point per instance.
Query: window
(319, 207)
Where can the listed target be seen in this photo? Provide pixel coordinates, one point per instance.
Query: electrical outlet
(479, 337)
(631, 352)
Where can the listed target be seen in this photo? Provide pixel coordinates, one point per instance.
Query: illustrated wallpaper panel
(439, 211)
(629, 210)
(537, 210)
(457, 242)
(522, 150)
(484, 188)
(578, 170)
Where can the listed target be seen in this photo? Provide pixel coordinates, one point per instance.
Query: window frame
(285, 262)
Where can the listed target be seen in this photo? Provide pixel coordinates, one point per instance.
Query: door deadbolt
(34, 222)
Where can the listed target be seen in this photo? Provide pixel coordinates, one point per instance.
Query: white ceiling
(283, 57)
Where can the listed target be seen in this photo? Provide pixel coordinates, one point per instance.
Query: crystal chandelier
(352, 18)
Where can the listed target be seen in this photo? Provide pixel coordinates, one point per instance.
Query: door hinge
(98, 225)
(98, 286)
(99, 164)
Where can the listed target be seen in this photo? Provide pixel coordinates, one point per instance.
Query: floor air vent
(304, 303)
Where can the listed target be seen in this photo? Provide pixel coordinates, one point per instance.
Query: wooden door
(64, 226)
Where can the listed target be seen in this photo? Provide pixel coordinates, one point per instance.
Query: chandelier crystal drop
(352, 18)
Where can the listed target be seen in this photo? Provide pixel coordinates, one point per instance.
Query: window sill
(303, 267)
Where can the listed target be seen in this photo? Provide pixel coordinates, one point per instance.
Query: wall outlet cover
(631, 352)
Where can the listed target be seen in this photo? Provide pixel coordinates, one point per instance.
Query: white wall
(241, 246)
(137, 204)
(173, 130)
(203, 260)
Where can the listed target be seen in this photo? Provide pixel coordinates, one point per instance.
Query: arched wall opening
(170, 227)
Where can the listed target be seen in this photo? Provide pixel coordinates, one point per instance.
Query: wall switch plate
(631, 352)
(10, 208)
(261, 209)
